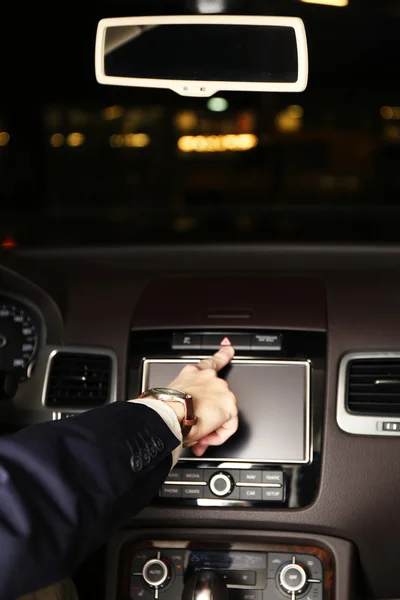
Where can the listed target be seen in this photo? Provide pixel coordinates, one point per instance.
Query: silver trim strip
(147, 362)
(54, 350)
(260, 485)
(185, 482)
(360, 424)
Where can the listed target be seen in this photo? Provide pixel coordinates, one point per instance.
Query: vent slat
(373, 387)
(79, 380)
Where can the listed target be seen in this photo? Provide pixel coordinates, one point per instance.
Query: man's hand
(214, 404)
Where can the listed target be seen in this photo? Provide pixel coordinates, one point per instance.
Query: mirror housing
(200, 55)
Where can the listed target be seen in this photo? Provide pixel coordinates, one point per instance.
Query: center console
(272, 464)
(278, 378)
(254, 565)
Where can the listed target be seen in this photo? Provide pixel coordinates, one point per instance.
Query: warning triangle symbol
(226, 342)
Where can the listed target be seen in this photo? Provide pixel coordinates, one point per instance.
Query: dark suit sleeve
(66, 486)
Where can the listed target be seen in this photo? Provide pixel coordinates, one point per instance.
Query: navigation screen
(273, 399)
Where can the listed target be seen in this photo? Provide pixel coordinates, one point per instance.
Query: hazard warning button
(213, 341)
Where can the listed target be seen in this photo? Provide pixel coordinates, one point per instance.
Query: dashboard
(313, 323)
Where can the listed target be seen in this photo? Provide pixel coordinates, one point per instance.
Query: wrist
(178, 409)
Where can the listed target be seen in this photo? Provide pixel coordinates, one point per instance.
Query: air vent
(79, 379)
(373, 386)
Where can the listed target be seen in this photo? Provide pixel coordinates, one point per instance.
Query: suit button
(153, 449)
(159, 443)
(146, 455)
(136, 463)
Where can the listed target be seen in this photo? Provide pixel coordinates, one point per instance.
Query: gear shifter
(205, 585)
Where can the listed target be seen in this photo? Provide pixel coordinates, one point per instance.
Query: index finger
(220, 359)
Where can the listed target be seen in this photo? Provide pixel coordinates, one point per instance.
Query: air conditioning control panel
(161, 572)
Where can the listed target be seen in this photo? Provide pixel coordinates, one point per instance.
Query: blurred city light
(217, 104)
(112, 112)
(8, 243)
(392, 131)
(390, 112)
(186, 120)
(217, 143)
(4, 138)
(290, 119)
(75, 139)
(130, 140)
(57, 140)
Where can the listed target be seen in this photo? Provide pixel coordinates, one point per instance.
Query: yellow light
(4, 138)
(186, 120)
(57, 140)
(218, 143)
(112, 112)
(137, 140)
(392, 131)
(115, 141)
(185, 143)
(75, 139)
(387, 112)
(130, 140)
(295, 111)
(328, 2)
(289, 120)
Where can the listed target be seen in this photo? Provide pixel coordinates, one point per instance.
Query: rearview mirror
(200, 55)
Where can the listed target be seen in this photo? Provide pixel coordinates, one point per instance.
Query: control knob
(293, 578)
(155, 573)
(221, 484)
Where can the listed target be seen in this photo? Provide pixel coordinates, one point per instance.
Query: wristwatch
(171, 395)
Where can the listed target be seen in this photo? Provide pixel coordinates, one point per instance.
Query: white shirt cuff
(170, 418)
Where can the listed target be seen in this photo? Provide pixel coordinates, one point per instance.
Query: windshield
(85, 164)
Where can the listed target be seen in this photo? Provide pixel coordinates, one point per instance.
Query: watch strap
(171, 395)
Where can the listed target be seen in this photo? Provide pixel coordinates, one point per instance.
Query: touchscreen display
(273, 400)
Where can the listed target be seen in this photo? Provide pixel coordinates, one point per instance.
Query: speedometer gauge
(18, 339)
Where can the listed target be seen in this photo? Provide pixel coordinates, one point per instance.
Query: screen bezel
(147, 362)
(202, 88)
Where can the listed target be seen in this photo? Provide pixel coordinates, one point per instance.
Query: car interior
(144, 227)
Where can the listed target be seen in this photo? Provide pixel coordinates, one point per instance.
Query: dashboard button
(251, 476)
(192, 491)
(266, 341)
(171, 491)
(275, 562)
(293, 578)
(272, 477)
(138, 592)
(245, 594)
(177, 559)
(192, 475)
(214, 341)
(273, 494)
(174, 475)
(240, 577)
(250, 493)
(183, 341)
(140, 558)
(155, 572)
(313, 565)
(315, 592)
